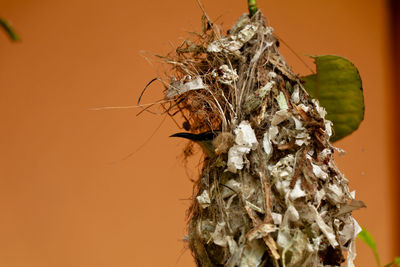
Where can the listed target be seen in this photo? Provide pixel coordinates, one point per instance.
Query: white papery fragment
(267, 145)
(252, 254)
(280, 116)
(234, 42)
(266, 88)
(304, 107)
(296, 94)
(218, 236)
(314, 247)
(276, 218)
(283, 168)
(261, 231)
(282, 101)
(319, 195)
(324, 154)
(334, 193)
(245, 140)
(232, 245)
(204, 199)
(273, 132)
(284, 237)
(351, 255)
(328, 231)
(302, 138)
(345, 229)
(297, 192)
(298, 124)
(282, 172)
(321, 111)
(235, 251)
(328, 128)
(247, 189)
(318, 172)
(341, 152)
(247, 33)
(271, 75)
(357, 228)
(235, 157)
(225, 44)
(283, 186)
(245, 135)
(179, 87)
(225, 75)
(291, 214)
(268, 30)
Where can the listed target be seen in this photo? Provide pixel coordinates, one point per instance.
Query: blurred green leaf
(337, 86)
(368, 239)
(9, 30)
(396, 261)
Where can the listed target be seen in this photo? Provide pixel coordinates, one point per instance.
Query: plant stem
(9, 30)
(252, 7)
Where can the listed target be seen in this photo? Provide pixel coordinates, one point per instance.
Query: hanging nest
(270, 194)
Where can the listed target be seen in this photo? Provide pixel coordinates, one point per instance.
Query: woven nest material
(271, 194)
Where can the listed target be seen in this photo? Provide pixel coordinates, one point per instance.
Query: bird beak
(203, 139)
(188, 136)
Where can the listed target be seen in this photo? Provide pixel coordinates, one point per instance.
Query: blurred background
(82, 188)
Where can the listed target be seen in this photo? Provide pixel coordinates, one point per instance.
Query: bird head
(203, 139)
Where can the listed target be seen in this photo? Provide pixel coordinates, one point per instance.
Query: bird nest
(270, 195)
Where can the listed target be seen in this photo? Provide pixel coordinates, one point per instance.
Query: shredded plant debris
(270, 194)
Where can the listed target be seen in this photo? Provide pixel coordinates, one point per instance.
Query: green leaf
(368, 239)
(9, 30)
(337, 86)
(396, 261)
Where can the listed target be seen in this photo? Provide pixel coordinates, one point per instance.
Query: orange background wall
(66, 197)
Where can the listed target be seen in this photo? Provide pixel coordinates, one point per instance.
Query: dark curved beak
(207, 136)
(203, 139)
(190, 136)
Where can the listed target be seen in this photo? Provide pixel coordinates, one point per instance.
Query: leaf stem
(252, 7)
